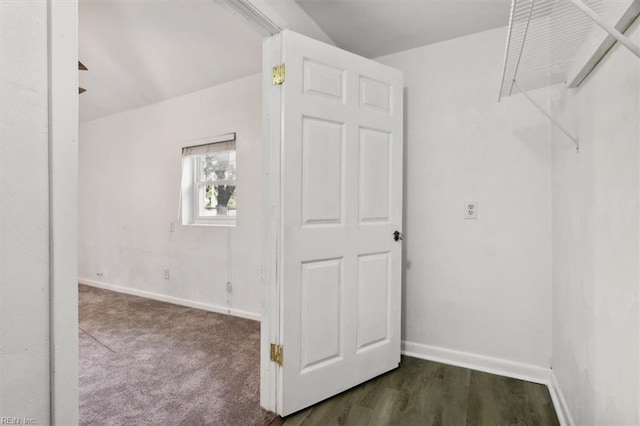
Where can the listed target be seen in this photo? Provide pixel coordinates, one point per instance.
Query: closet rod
(553, 120)
(608, 28)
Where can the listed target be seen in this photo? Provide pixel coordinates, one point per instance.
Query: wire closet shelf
(544, 41)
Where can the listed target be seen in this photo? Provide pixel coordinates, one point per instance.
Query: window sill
(218, 223)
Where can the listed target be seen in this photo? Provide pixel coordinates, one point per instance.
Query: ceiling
(373, 28)
(142, 52)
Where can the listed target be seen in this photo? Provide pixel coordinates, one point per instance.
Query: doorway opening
(170, 214)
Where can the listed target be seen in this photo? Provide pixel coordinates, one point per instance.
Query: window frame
(196, 186)
(189, 210)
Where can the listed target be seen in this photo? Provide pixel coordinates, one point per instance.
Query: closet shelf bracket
(624, 40)
(550, 117)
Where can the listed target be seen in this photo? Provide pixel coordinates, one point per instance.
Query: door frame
(63, 206)
(270, 377)
(62, 70)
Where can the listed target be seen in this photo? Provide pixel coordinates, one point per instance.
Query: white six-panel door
(341, 201)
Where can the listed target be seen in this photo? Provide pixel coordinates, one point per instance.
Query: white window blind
(217, 144)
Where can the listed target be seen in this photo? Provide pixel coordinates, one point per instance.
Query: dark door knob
(397, 235)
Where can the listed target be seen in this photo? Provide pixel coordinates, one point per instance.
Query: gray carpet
(145, 362)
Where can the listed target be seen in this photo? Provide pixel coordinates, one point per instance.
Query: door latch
(397, 235)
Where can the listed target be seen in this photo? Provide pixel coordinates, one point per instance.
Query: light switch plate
(470, 210)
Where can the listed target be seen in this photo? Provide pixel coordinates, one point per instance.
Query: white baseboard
(559, 402)
(170, 299)
(502, 367)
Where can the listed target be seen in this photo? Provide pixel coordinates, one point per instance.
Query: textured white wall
(24, 224)
(129, 171)
(596, 291)
(478, 286)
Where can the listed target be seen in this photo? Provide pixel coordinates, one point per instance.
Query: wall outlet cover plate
(470, 210)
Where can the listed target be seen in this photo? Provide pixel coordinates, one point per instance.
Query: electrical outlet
(99, 274)
(470, 210)
(229, 288)
(172, 226)
(167, 274)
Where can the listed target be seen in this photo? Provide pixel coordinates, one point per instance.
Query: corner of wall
(559, 401)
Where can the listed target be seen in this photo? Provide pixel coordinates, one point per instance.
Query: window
(209, 183)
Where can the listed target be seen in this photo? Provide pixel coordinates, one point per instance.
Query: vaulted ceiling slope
(143, 52)
(373, 28)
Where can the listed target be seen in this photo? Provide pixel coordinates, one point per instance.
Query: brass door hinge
(276, 353)
(278, 74)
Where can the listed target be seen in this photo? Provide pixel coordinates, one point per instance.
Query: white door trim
(271, 130)
(63, 209)
(259, 21)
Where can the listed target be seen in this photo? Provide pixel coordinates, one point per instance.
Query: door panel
(322, 171)
(341, 201)
(375, 171)
(374, 285)
(324, 80)
(321, 313)
(375, 95)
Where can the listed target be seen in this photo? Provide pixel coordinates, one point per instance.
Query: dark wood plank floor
(429, 393)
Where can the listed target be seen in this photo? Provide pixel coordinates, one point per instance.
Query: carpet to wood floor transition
(144, 362)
